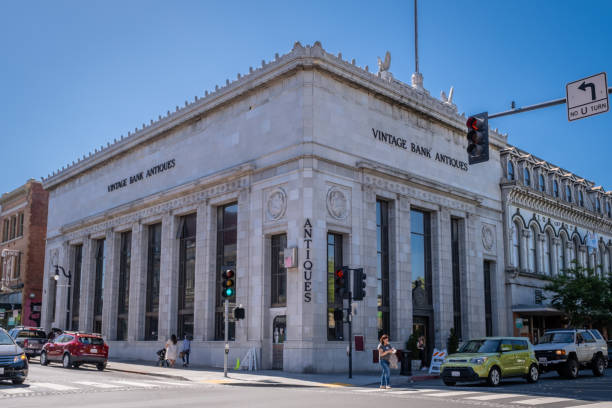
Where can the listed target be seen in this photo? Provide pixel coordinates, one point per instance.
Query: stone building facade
(23, 223)
(310, 152)
(551, 218)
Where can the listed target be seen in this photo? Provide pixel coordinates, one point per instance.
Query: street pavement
(87, 387)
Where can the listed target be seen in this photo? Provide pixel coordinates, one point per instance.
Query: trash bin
(405, 360)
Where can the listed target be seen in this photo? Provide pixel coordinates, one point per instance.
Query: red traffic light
(474, 123)
(228, 274)
(339, 273)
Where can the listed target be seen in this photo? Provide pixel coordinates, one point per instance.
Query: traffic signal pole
(226, 336)
(533, 107)
(349, 317)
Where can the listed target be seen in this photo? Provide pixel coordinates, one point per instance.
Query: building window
(20, 225)
(382, 268)
(13, 226)
(542, 183)
(488, 298)
(556, 189)
(76, 286)
(548, 254)
(510, 171)
(153, 268)
(5, 230)
(455, 224)
(278, 272)
(420, 246)
(227, 230)
(608, 261)
(609, 209)
(335, 327)
(125, 260)
(580, 198)
(99, 286)
(17, 273)
(187, 256)
(527, 177)
(576, 252)
(597, 205)
(533, 254)
(516, 245)
(562, 260)
(568, 194)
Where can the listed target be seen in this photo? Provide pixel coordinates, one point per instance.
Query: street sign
(587, 97)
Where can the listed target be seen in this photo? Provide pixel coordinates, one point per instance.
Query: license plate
(1, 370)
(456, 373)
(543, 360)
(93, 350)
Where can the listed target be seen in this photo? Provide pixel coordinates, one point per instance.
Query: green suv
(491, 358)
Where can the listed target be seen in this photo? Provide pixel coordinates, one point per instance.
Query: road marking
(216, 381)
(171, 383)
(97, 385)
(134, 383)
(54, 387)
(404, 392)
(450, 393)
(20, 390)
(488, 397)
(596, 405)
(542, 400)
(372, 390)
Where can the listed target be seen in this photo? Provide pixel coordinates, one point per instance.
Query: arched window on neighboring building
(527, 177)
(542, 184)
(608, 261)
(548, 253)
(533, 253)
(510, 170)
(555, 189)
(516, 245)
(599, 260)
(561, 259)
(576, 251)
(568, 194)
(580, 198)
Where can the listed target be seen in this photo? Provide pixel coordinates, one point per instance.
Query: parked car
(491, 359)
(30, 339)
(569, 350)
(13, 361)
(73, 349)
(609, 351)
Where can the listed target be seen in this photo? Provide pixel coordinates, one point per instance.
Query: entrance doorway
(421, 327)
(279, 333)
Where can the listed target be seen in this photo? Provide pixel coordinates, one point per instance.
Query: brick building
(23, 223)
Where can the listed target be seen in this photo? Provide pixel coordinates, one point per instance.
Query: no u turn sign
(587, 97)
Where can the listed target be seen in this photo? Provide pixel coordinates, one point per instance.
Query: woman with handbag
(385, 352)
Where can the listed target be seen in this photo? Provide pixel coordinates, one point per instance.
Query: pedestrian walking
(422, 355)
(172, 350)
(186, 350)
(385, 351)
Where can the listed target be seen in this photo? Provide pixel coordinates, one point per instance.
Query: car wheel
(43, 359)
(494, 377)
(101, 366)
(599, 366)
(534, 374)
(449, 383)
(66, 361)
(18, 381)
(571, 369)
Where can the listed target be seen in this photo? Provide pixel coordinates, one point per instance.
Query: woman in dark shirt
(384, 354)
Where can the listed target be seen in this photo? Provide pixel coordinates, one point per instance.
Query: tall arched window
(548, 242)
(580, 198)
(527, 177)
(555, 188)
(516, 245)
(561, 259)
(608, 261)
(599, 260)
(609, 209)
(510, 170)
(568, 194)
(542, 183)
(597, 205)
(576, 250)
(533, 254)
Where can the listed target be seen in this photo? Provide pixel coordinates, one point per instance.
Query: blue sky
(75, 75)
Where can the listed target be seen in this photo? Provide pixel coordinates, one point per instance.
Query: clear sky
(74, 75)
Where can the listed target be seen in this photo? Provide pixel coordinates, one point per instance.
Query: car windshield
(37, 334)
(558, 337)
(480, 346)
(5, 339)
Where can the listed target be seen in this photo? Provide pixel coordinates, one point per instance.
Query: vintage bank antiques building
(308, 151)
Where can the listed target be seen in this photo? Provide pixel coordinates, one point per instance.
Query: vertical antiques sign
(307, 262)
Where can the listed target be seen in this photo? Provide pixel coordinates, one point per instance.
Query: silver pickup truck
(569, 350)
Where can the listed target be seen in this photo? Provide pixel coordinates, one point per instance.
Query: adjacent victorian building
(23, 219)
(310, 152)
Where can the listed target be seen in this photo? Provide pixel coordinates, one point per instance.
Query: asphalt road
(86, 387)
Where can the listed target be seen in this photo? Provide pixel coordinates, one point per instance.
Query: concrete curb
(174, 377)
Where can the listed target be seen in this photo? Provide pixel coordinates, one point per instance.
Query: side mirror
(506, 347)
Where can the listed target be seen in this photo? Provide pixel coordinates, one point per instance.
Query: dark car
(609, 350)
(30, 339)
(73, 349)
(13, 361)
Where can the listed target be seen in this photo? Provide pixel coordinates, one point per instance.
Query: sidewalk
(260, 378)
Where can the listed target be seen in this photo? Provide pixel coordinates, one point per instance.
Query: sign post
(587, 97)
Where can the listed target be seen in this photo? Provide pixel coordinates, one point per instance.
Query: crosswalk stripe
(52, 386)
(370, 390)
(171, 383)
(449, 394)
(606, 404)
(541, 400)
(488, 397)
(403, 392)
(134, 383)
(97, 385)
(20, 390)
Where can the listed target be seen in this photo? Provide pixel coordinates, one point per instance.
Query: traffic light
(342, 282)
(239, 313)
(338, 315)
(228, 289)
(359, 284)
(478, 138)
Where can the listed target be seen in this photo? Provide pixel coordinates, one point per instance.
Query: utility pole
(349, 317)
(416, 40)
(226, 335)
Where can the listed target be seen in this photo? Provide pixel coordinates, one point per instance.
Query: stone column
(138, 283)
(403, 278)
(475, 279)
(62, 286)
(168, 278)
(88, 275)
(442, 275)
(568, 253)
(540, 253)
(525, 233)
(203, 272)
(111, 285)
(245, 281)
(556, 242)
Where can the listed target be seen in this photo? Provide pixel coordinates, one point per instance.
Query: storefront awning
(540, 310)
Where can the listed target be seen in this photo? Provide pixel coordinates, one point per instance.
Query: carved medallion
(488, 237)
(337, 203)
(277, 204)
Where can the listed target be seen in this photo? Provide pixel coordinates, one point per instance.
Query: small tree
(583, 295)
(452, 344)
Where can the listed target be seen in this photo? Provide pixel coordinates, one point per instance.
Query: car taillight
(25, 343)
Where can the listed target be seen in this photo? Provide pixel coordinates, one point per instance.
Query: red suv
(74, 349)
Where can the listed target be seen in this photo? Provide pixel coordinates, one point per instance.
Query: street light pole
(69, 276)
